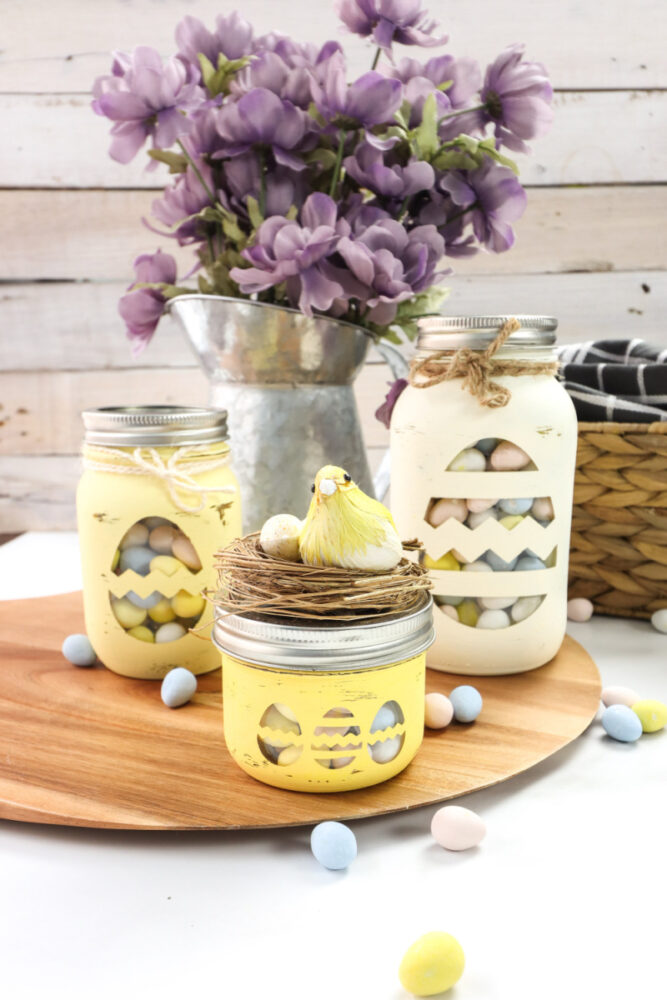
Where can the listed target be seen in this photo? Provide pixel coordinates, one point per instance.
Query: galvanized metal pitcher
(285, 380)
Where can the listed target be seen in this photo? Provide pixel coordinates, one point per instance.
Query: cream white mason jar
(483, 444)
(156, 501)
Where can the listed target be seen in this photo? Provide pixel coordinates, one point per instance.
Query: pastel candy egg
(115, 560)
(136, 535)
(467, 703)
(529, 564)
(498, 564)
(384, 719)
(162, 612)
(279, 537)
(525, 607)
(385, 750)
(78, 649)
(154, 522)
(446, 562)
(137, 558)
(486, 445)
(479, 566)
(619, 696)
(438, 710)
(454, 601)
(652, 714)
(337, 762)
(169, 632)
(184, 550)
(289, 756)
(515, 506)
(144, 602)
(510, 521)
(333, 845)
(508, 457)
(469, 460)
(127, 614)
(478, 506)
(433, 964)
(621, 723)
(496, 604)
(450, 611)
(474, 520)
(493, 619)
(275, 718)
(468, 612)
(161, 538)
(543, 509)
(287, 712)
(659, 620)
(187, 605)
(165, 564)
(457, 828)
(443, 509)
(141, 632)
(459, 557)
(579, 609)
(178, 686)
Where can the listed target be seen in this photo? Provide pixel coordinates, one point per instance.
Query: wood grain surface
(85, 747)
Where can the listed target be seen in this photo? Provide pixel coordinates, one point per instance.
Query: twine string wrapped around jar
(477, 369)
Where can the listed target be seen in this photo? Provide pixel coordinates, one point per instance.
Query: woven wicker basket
(618, 555)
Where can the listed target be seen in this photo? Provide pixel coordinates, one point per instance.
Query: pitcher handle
(399, 369)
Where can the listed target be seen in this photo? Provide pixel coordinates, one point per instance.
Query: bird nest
(249, 580)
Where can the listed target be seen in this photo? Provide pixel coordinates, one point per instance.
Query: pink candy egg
(478, 506)
(457, 828)
(444, 509)
(579, 609)
(617, 695)
(508, 457)
(438, 709)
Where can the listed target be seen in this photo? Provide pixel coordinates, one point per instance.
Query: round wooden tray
(89, 748)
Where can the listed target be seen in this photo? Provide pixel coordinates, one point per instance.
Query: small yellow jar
(318, 706)
(157, 499)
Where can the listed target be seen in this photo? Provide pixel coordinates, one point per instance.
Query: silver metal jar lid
(318, 646)
(136, 426)
(440, 333)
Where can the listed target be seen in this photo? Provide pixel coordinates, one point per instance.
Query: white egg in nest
(280, 537)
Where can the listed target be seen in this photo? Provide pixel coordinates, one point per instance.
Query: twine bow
(476, 368)
(178, 472)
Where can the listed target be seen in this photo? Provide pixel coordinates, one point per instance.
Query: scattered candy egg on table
(137, 558)
(651, 714)
(617, 695)
(141, 632)
(467, 703)
(621, 723)
(279, 537)
(162, 538)
(457, 828)
(450, 611)
(479, 506)
(333, 845)
(433, 964)
(468, 612)
(127, 614)
(511, 521)
(469, 460)
(443, 509)
(78, 649)
(162, 612)
(169, 632)
(475, 520)
(438, 710)
(184, 550)
(508, 457)
(499, 565)
(136, 535)
(187, 605)
(493, 619)
(144, 602)
(579, 609)
(543, 509)
(446, 562)
(659, 620)
(165, 564)
(178, 686)
(515, 506)
(525, 607)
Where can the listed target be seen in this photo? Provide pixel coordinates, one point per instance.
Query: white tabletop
(564, 899)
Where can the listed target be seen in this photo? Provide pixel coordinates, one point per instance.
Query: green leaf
(489, 148)
(324, 158)
(445, 85)
(426, 135)
(292, 213)
(176, 162)
(452, 159)
(217, 79)
(256, 217)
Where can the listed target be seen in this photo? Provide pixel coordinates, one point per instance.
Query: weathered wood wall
(591, 248)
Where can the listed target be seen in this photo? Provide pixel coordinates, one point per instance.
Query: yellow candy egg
(141, 632)
(162, 612)
(166, 564)
(187, 605)
(468, 612)
(115, 560)
(433, 964)
(511, 521)
(127, 614)
(652, 714)
(289, 755)
(444, 562)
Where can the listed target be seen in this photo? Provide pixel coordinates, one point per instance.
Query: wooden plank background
(591, 247)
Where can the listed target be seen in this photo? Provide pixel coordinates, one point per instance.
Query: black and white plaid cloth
(622, 380)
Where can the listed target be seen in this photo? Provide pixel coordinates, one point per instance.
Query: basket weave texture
(618, 553)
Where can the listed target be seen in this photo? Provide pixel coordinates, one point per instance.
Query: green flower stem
(337, 165)
(262, 182)
(376, 60)
(463, 211)
(197, 171)
(461, 111)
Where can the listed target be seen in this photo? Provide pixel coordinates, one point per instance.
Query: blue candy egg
(529, 564)
(178, 686)
(138, 558)
(486, 445)
(621, 723)
(467, 702)
(515, 506)
(333, 845)
(78, 650)
(498, 564)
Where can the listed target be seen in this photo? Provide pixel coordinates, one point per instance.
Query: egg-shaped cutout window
(384, 751)
(488, 612)
(492, 455)
(281, 745)
(336, 741)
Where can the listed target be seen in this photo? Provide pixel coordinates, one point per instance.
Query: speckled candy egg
(508, 457)
(579, 609)
(443, 509)
(178, 687)
(515, 506)
(169, 632)
(474, 520)
(279, 537)
(333, 845)
(618, 695)
(138, 558)
(184, 550)
(621, 723)
(467, 703)
(478, 506)
(78, 650)
(525, 607)
(457, 828)
(659, 620)
(495, 618)
(450, 611)
(438, 710)
(469, 460)
(433, 964)
(651, 714)
(543, 509)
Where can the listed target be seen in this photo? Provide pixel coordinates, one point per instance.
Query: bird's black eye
(348, 479)
(312, 488)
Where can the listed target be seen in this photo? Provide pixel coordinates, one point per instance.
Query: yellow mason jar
(157, 499)
(317, 706)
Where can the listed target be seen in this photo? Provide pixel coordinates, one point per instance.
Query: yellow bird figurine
(345, 527)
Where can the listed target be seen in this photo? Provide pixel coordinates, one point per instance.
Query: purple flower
(390, 21)
(241, 179)
(388, 265)
(142, 308)
(294, 252)
(261, 118)
(518, 97)
(371, 100)
(287, 69)
(145, 98)
(490, 198)
(232, 38)
(371, 170)
(465, 78)
(184, 198)
(384, 412)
